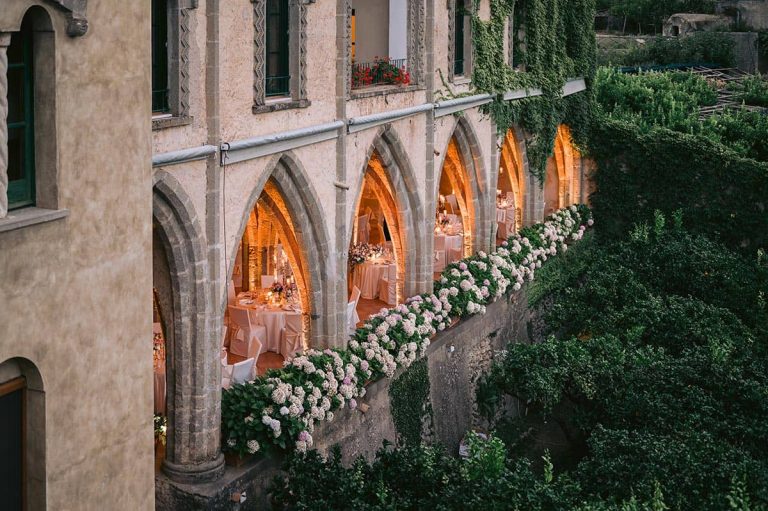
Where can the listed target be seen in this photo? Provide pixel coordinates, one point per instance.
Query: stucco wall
(75, 292)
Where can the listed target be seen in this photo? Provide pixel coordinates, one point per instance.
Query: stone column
(5, 41)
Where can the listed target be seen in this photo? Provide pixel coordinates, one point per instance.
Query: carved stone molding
(74, 10)
(259, 50)
(451, 37)
(5, 41)
(416, 39)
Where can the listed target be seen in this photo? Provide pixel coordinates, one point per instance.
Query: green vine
(409, 402)
(554, 41)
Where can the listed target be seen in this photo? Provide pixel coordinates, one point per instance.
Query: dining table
(273, 318)
(367, 274)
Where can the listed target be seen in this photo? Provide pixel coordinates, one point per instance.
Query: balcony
(382, 71)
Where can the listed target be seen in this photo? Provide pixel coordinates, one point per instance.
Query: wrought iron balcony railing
(382, 71)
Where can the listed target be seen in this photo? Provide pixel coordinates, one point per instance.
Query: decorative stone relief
(416, 36)
(5, 41)
(184, 46)
(77, 24)
(451, 37)
(259, 50)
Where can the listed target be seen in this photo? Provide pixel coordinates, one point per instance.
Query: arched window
(28, 174)
(460, 45)
(22, 436)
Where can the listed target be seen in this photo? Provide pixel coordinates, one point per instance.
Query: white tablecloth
(366, 276)
(273, 319)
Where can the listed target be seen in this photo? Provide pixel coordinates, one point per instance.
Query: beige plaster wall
(236, 73)
(72, 291)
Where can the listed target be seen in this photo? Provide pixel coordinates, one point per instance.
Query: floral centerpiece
(360, 252)
(277, 288)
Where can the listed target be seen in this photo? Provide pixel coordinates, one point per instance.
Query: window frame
(466, 40)
(19, 384)
(160, 106)
(178, 36)
(296, 96)
(21, 192)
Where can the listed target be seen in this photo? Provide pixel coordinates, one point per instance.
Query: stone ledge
(161, 123)
(26, 217)
(277, 106)
(382, 90)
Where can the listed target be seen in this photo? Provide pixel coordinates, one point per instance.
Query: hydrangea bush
(280, 410)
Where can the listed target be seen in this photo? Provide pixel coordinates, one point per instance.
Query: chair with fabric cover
(244, 371)
(455, 254)
(252, 334)
(363, 228)
(290, 337)
(224, 338)
(440, 259)
(388, 286)
(511, 197)
(352, 317)
(501, 232)
(267, 281)
(451, 199)
(226, 373)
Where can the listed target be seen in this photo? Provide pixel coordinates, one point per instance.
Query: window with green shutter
(458, 41)
(160, 84)
(278, 75)
(21, 116)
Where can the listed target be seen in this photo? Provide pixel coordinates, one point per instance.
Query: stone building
(75, 253)
(275, 124)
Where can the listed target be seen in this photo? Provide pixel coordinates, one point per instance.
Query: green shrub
(660, 379)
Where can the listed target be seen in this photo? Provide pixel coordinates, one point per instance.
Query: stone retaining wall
(456, 359)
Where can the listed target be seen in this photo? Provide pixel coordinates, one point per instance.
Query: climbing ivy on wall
(554, 41)
(409, 402)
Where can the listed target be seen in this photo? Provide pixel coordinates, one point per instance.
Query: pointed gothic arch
(462, 163)
(513, 176)
(286, 191)
(560, 185)
(388, 168)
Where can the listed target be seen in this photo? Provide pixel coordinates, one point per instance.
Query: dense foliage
(698, 48)
(654, 152)
(720, 193)
(672, 100)
(752, 90)
(649, 15)
(554, 42)
(409, 402)
(659, 374)
(422, 477)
